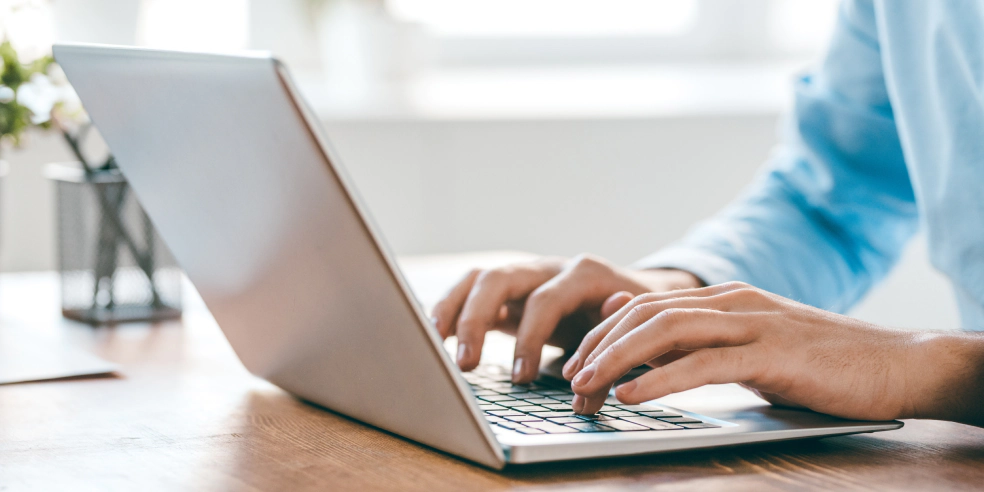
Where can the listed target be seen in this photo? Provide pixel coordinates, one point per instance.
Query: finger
(595, 336)
(615, 302)
(681, 329)
(743, 300)
(445, 312)
(709, 366)
(480, 313)
(585, 281)
(611, 305)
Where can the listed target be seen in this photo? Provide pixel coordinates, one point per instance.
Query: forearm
(946, 374)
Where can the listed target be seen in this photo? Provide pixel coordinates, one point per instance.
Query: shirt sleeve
(829, 214)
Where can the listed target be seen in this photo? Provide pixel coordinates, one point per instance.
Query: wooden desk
(185, 415)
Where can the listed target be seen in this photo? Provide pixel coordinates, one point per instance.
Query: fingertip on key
(577, 404)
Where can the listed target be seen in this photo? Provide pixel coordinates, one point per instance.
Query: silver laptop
(233, 168)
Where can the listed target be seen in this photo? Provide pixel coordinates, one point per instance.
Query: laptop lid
(234, 172)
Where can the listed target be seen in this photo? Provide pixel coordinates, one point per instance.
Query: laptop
(234, 170)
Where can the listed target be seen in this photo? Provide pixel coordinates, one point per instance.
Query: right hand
(552, 301)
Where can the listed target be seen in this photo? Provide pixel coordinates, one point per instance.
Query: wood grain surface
(184, 415)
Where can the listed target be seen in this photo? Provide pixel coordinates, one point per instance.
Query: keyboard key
(625, 426)
(500, 430)
(529, 408)
(659, 414)
(620, 413)
(484, 392)
(595, 418)
(493, 419)
(493, 385)
(562, 397)
(511, 425)
(547, 415)
(680, 420)
(514, 389)
(504, 413)
(497, 398)
(523, 418)
(559, 406)
(551, 428)
(553, 392)
(639, 408)
(565, 420)
(591, 427)
(528, 430)
(541, 401)
(513, 404)
(524, 396)
(611, 400)
(702, 425)
(490, 406)
(652, 423)
(608, 408)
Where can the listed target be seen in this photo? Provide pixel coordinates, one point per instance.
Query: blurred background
(550, 126)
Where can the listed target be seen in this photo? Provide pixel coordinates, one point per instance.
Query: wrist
(946, 377)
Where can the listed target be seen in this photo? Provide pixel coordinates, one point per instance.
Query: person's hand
(552, 300)
(789, 353)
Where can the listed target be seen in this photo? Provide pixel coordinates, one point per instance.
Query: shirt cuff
(708, 267)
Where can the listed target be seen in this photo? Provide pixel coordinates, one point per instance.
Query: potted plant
(19, 109)
(114, 266)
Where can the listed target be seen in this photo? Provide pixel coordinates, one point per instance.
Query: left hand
(788, 352)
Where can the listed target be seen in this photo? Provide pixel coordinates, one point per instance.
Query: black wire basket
(114, 267)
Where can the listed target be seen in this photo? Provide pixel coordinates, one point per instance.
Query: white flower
(40, 96)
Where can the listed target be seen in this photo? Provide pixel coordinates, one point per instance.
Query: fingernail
(626, 388)
(584, 376)
(577, 403)
(572, 363)
(462, 353)
(518, 367)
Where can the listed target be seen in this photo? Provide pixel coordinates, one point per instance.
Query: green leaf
(14, 74)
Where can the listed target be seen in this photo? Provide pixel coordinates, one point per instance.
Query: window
(548, 18)
(617, 31)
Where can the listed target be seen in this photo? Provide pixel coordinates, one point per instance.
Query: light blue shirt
(886, 138)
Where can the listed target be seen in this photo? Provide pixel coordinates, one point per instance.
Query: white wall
(616, 187)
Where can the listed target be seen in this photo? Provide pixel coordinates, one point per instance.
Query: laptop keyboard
(543, 407)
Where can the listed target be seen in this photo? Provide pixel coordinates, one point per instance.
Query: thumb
(615, 302)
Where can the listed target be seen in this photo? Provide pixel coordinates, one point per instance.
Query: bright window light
(27, 25)
(194, 24)
(548, 18)
(797, 25)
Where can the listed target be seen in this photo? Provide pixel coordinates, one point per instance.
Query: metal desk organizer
(114, 266)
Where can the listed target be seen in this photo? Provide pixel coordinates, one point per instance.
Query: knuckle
(646, 298)
(490, 277)
(636, 315)
(587, 261)
(751, 295)
(640, 302)
(673, 316)
(736, 285)
(539, 297)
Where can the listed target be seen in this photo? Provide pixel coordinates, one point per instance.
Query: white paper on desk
(28, 356)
